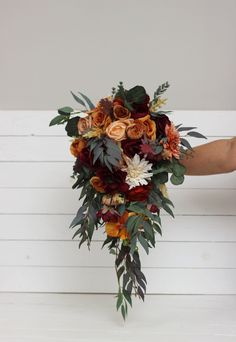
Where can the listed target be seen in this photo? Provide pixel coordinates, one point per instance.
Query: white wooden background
(196, 255)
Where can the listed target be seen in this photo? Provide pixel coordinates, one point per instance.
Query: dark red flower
(113, 181)
(131, 147)
(140, 110)
(161, 122)
(139, 193)
(108, 216)
(154, 208)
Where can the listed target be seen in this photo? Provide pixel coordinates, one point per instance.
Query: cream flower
(137, 171)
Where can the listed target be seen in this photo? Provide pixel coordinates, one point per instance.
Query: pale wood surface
(89, 318)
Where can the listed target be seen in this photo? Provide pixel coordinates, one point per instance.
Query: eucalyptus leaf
(89, 102)
(196, 135)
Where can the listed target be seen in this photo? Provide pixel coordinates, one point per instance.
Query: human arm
(218, 156)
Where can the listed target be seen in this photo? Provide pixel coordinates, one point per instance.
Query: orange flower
(76, 146)
(118, 229)
(171, 147)
(135, 130)
(84, 124)
(98, 118)
(97, 183)
(121, 112)
(150, 127)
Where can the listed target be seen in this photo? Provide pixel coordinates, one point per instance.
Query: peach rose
(97, 184)
(135, 130)
(117, 129)
(121, 112)
(76, 146)
(150, 127)
(84, 124)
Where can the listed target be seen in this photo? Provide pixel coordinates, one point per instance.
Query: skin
(215, 157)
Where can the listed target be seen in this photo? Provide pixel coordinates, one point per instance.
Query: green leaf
(78, 99)
(65, 110)
(89, 102)
(185, 143)
(121, 209)
(123, 312)
(196, 135)
(148, 229)
(167, 209)
(71, 127)
(181, 129)
(136, 94)
(178, 169)
(144, 243)
(119, 300)
(57, 120)
(161, 89)
(120, 271)
(176, 180)
(127, 297)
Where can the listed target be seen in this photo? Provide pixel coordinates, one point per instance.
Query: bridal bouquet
(126, 149)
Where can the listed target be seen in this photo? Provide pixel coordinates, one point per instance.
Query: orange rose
(150, 127)
(84, 124)
(97, 184)
(98, 118)
(117, 129)
(76, 146)
(121, 112)
(118, 229)
(135, 130)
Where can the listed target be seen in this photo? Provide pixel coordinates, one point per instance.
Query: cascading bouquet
(125, 148)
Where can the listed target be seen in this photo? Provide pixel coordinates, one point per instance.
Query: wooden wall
(197, 253)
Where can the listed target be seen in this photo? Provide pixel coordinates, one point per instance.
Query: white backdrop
(197, 253)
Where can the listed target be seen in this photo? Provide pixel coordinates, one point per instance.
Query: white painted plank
(36, 122)
(65, 201)
(164, 255)
(49, 148)
(56, 227)
(103, 280)
(65, 317)
(57, 175)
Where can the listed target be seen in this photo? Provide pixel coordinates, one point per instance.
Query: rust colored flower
(150, 127)
(118, 229)
(120, 112)
(97, 184)
(135, 130)
(98, 118)
(171, 147)
(84, 124)
(76, 146)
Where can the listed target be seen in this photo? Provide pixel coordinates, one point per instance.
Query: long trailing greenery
(143, 224)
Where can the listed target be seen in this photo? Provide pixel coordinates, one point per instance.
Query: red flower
(131, 147)
(113, 181)
(139, 193)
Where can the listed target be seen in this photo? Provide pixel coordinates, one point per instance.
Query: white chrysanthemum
(137, 171)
